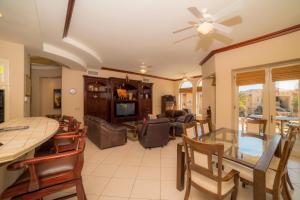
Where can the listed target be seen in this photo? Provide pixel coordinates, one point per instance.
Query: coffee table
(132, 126)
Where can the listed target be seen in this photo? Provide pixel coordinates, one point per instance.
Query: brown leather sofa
(154, 133)
(104, 134)
(172, 115)
(177, 125)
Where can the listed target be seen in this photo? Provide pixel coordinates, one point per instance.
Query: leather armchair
(104, 134)
(154, 133)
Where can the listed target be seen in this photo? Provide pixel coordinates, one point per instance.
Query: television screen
(125, 109)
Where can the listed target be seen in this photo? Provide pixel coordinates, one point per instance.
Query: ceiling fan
(207, 23)
(144, 68)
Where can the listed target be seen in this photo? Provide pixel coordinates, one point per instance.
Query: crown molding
(136, 73)
(145, 75)
(269, 36)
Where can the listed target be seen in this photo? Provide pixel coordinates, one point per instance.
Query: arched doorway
(186, 95)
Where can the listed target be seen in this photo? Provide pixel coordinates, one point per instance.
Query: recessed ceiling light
(1, 15)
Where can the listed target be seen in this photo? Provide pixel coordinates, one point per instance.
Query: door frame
(235, 107)
(268, 92)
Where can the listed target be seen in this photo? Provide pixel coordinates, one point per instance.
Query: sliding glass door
(284, 105)
(250, 100)
(284, 100)
(250, 96)
(271, 93)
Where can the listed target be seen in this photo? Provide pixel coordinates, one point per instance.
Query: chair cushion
(210, 184)
(247, 173)
(50, 168)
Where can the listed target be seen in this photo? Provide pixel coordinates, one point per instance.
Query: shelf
(97, 91)
(125, 101)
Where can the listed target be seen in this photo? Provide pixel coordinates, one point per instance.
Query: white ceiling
(123, 34)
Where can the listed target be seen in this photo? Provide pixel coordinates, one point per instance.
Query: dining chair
(191, 130)
(68, 141)
(48, 174)
(255, 126)
(276, 181)
(205, 125)
(72, 126)
(203, 176)
(276, 160)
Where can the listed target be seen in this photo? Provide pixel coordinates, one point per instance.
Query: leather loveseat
(104, 134)
(172, 115)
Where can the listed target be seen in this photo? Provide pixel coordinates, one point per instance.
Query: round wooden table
(20, 144)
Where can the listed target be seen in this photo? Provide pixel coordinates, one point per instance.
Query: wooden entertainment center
(117, 100)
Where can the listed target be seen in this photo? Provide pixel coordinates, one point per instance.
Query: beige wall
(270, 51)
(208, 90)
(47, 86)
(36, 77)
(15, 54)
(73, 104)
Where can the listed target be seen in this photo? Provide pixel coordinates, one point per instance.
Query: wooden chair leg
(236, 188)
(80, 190)
(188, 189)
(286, 190)
(289, 181)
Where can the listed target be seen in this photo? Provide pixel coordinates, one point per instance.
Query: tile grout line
(130, 195)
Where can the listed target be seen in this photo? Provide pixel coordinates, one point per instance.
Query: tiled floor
(130, 172)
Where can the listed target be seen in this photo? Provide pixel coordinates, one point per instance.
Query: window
(199, 98)
(186, 95)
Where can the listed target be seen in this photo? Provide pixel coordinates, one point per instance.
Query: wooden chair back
(190, 130)
(73, 137)
(286, 153)
(193, 150)
(74, 125)
(261, 125)
(206, 125)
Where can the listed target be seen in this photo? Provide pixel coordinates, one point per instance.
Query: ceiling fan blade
(193, 23)
(195, 12)
(222, 38)
(185, 38)
(225, 12)
(222, 28)
(183, 29)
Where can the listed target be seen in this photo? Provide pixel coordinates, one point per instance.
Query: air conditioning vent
(146, 80)
(93, 73)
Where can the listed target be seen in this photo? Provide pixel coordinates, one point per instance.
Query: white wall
(73, 104)
(278, 49)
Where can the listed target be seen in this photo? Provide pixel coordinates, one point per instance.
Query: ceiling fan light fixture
(205, 27)
(143, 71)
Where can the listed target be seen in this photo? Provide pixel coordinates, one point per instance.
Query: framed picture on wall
(4, 72)
(57, 98)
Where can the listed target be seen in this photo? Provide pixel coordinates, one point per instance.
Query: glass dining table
(248, 149)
